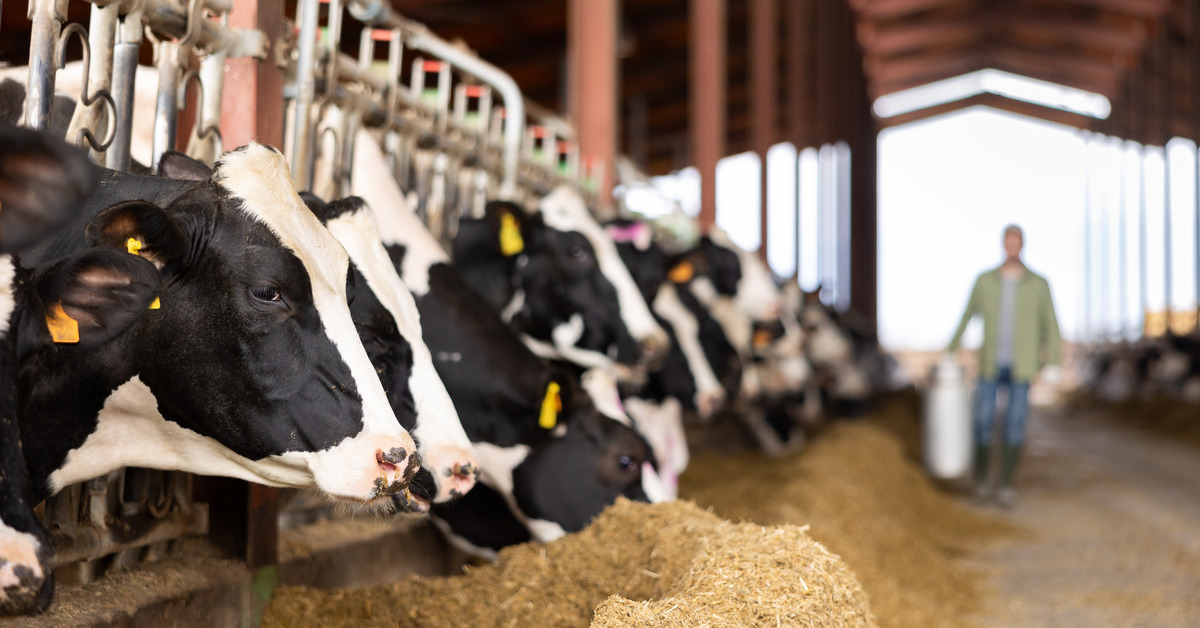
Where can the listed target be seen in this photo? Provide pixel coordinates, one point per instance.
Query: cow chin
(366, 469)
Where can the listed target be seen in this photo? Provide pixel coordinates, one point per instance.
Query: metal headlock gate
(130, 515)
(459, 132)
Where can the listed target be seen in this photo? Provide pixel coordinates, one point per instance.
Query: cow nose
(397, 469)
(709, 402)
(654, 350)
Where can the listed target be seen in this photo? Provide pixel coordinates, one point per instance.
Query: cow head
(722, 269)
(252, 358)
(390, 328)
(556, 276)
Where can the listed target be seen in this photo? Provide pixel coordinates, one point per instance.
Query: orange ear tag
(551, 406)
(762, 338)
(511, 241)
(63, 328)
(681, 273)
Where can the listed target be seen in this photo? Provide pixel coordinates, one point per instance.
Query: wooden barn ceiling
(1141, 54)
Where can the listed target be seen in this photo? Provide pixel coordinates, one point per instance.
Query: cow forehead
(565, 210)
(259, 177)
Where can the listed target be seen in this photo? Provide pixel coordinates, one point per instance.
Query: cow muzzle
(397, 468)
(654, 348)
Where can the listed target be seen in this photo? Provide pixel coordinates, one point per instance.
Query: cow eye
(626, 463)
(267, 294)
(579, 253)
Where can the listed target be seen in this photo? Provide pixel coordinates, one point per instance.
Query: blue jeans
(985, 408)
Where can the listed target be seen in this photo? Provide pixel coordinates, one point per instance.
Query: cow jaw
(564, 210)
(709, 392)
(259, 177)
(443, 444)
(130, 432)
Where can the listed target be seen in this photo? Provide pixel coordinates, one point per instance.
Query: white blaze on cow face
(8, 300)
(443, 445)
(709, 392)
(565, 210)
(662, 425)
(397, 217)
(259, 177)
(757, 295)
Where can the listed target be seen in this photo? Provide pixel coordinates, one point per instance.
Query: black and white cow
(556, 277)
(251, 366)
(390, 327)
(555, 449)
(43, 183)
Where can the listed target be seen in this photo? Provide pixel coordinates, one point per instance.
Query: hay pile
(642, 565)
(866, 498)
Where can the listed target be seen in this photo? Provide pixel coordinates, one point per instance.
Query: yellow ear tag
(63, 328)
(154, 305)
(134, 246)
(551, 406)
(511, 241)
(681, 273)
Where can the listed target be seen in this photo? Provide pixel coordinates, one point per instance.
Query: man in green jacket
(1020, 336)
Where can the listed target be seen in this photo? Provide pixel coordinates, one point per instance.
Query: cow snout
(654, 350)
(23, 586)
(397, 469)
(708, 402)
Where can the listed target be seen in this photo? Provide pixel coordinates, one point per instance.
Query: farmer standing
(1020, 336)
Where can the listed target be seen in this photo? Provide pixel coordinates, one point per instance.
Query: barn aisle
(1112, 520)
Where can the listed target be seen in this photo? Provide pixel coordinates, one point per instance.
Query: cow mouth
(409, 501)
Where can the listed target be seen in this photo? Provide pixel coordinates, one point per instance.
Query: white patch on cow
(687, 335)
(131, 432)
(396, 213)
(442, 442)
(515, 305)
(601, 386)
(850, 382)
(17, 549)
(544, 531)
(562, 346)
(8, 299)
(757, 295)
(656, 490)
(497, 464)
(565, 210)
(662, 425)
(828, 345)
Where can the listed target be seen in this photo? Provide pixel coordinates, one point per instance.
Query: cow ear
(176, 165)
(314, 203)
(43, 182)
(140, 228)
(91, 297)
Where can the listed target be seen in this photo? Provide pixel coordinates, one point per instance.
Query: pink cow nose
(397, 467)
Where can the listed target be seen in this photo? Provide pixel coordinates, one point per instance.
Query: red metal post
(764, 33)
(592, 82)
(707, 94)
(252, 109)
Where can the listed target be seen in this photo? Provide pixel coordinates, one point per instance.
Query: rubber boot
(1007, 496)
(980, 491)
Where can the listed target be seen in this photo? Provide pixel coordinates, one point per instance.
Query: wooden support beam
(592, 82)
(707, 94)
(764, 35)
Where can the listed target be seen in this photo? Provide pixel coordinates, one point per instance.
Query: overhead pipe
(417, 36)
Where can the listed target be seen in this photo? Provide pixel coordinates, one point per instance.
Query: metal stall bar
(300, 142)
(418, 37)
(47, 17)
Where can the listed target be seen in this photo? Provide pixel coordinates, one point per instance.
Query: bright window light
(997, 82)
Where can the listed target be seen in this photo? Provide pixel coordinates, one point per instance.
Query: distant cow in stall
(556, 278)
(249, 364)
(43, 184)
(555, 449)
(686, 379)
